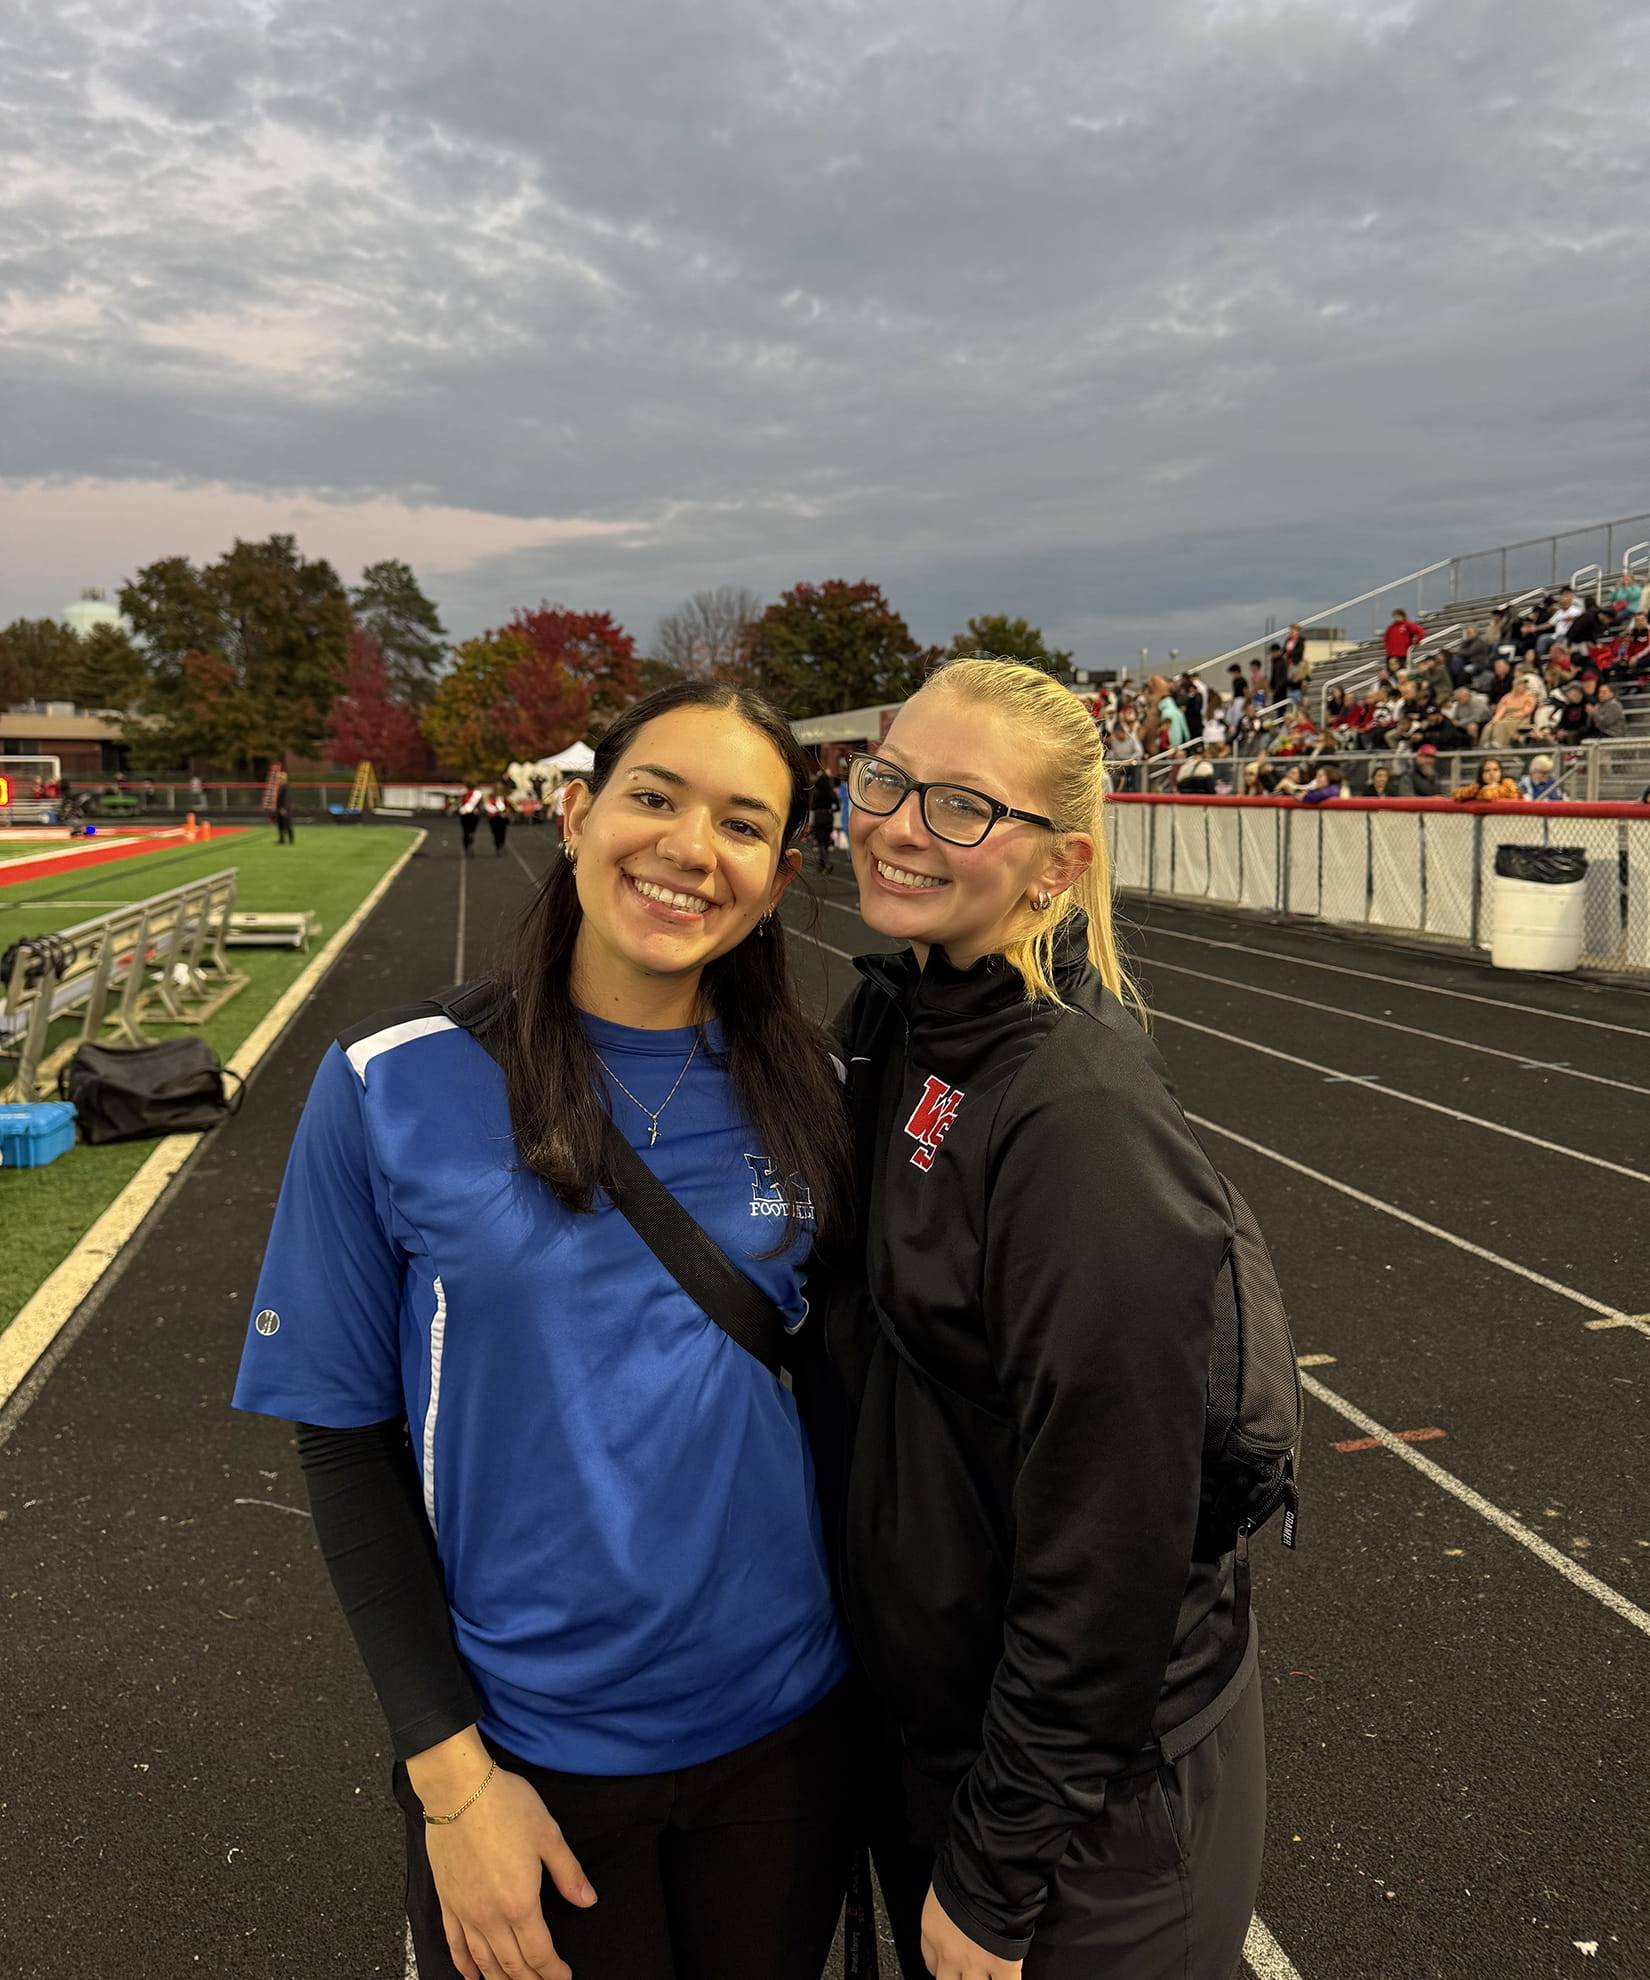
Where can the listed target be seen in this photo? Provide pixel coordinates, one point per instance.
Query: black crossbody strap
(689, 1254)
(693, 1258)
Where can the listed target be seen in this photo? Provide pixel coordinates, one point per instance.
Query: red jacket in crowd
(1401, 635)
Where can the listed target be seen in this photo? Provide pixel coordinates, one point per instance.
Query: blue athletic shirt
(622, 1498)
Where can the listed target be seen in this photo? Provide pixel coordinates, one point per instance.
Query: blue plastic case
(33, 1133)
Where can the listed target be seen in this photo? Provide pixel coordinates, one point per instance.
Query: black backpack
(1252, 1436)
(133, 1092)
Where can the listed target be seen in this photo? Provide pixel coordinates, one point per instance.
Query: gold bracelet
(441, 1821)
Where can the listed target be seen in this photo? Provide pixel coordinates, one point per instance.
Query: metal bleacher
(159, 960)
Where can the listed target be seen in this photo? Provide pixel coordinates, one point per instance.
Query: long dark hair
(776, 1058)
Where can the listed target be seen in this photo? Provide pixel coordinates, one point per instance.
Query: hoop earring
(1040, 901)
(570, 853)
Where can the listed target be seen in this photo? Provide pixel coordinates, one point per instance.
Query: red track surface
(88, 852)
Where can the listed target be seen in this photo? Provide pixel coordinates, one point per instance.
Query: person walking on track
(822, 819)
(470, 809)
(571, 1519)
(496, 806)
(1078, 1769)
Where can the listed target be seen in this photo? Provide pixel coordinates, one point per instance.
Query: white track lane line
(463, 903)
(1376, 1203)
(1267, 1960)
(1396, 982)
(1520, 1059)
(1368, 1085)
(1446, 1481)
(1611, 1313)
(845, 954)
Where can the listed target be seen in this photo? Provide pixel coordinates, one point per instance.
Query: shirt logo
(268, 1322)
(930, 1122)
(768, 1199)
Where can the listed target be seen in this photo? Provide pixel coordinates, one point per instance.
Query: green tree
(829, 647)
(390, 604)
(462, 722)
(110, 671)
(1011, 639)
(246, 655)
(39, 661)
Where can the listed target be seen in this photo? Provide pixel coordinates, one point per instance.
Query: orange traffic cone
(189, 827)
(205, 831)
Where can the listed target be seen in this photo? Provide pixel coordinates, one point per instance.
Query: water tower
(91, 610)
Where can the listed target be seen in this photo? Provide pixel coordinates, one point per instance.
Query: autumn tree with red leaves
(596, 656)
(368, 722)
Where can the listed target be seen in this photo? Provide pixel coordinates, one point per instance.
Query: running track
(192, 1769)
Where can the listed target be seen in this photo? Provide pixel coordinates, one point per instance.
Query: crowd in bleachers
(1539, 675)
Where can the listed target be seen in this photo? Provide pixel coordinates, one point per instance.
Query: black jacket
(1043, 1238)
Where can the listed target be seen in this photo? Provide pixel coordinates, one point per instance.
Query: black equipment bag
(131, 1092)
(1253, 1426)
(692, 1258)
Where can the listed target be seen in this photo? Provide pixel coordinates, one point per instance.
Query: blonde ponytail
(1057, 728)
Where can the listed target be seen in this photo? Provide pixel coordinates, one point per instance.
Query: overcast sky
(1140, 318)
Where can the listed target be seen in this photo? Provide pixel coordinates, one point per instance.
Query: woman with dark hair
(572, 1522)
(1492, 786)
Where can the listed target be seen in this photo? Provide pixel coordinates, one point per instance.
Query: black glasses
(950, 811)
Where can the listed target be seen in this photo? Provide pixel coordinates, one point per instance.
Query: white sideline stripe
(1400, 982)
(1521, 1059)
(1267, 1959)
(1610, 1313)
(1446, 1481)
(44, 1316)
(1368, 1085)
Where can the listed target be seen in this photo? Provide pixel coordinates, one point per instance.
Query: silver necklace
(652, 1113)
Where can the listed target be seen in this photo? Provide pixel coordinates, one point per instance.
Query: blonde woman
(1515, 711)
(1028, 1355)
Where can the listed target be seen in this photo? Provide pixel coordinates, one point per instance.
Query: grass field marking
(1388, 982)
(1267, 1960)
(1417, 1223)
(43, 1318)
(1367, 1085)
(1446, 1481)
(1519, 1059)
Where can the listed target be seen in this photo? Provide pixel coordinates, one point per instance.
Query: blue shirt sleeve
(323, 1344)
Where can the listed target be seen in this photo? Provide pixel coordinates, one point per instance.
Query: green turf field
(44, 1212)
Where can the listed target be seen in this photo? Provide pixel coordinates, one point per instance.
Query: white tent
(574, 760)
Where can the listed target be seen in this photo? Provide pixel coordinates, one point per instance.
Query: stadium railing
(159, 960)
(1402, 865)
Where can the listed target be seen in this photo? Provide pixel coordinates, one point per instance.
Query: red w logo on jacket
(934, 1113)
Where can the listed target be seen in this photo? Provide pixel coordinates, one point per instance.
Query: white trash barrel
(1538, 905)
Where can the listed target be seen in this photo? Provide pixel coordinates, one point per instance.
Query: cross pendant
(652, 1133)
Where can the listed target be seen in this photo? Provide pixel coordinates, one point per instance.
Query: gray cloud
(1143, 321)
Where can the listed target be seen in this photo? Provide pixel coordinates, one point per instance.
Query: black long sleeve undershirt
(380, 1552)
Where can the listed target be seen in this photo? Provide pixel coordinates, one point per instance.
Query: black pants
(283, 829)
(467, 823)
(730, 1870)
(498, 827)
(822, 826)
(1162, 1887)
